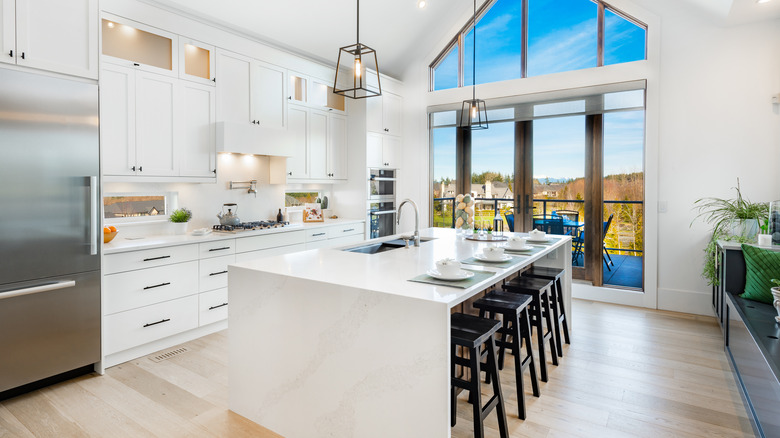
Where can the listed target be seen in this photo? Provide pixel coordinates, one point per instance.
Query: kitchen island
(337, 343)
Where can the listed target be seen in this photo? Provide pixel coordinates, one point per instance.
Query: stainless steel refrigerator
(49, 229)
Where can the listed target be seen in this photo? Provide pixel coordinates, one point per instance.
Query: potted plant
(732, 219)
(179, 219)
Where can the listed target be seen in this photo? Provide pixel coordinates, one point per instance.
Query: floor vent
(168, 354)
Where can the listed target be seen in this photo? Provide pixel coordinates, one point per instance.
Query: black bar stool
(540, 290)
(558, 307)
(471, 333)
(517, 324)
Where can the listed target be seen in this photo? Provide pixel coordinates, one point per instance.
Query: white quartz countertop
(390, 271)
(123, 244)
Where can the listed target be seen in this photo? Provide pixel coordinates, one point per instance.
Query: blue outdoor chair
(510, 221)
(579, 241)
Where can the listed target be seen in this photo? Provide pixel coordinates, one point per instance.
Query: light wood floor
(628, 373)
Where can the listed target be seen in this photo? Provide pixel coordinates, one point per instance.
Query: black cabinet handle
(157, 258)
(215, 171)
(289, 173)
(157, 285)
(22, 55)
(387, 130)
(141, 168)
(11, 53)
(158, 322)
(136, 64)
(347, 231)
(220, 249)
(133, 168)
(214, 80)
(218, 273)
(217, 307)
(317, 234)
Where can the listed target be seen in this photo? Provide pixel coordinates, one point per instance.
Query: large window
(561, 35)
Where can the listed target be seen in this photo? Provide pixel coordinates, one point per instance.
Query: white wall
(717, 124)
(709, 120)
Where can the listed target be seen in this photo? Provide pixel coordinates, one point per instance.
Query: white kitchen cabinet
(318, 145)
(322, 97)
(156, 112)
(155, 125)
(54, 35)
(334, 235)
(234, 75)
(297, 163)
(198, 150)
(8, 31)
(197, 61)
(117, 119)
(383, 114)
(212, 306)
(269, 95)
(320, 152)
(337, 147)
(383, 151)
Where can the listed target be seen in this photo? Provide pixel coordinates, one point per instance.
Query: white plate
(462, 275)
(503, 258)
(527, 248)
(545, 240)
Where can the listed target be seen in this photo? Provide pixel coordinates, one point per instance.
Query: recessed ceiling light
(421, 3)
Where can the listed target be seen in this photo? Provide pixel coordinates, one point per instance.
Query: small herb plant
(490, 229)
(181, 215)
(775, 281)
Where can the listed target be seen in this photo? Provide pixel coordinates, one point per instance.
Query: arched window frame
(458, 40)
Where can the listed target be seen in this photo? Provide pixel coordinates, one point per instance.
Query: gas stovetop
(248, 226)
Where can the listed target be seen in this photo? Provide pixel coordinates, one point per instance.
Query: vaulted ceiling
(398, 30)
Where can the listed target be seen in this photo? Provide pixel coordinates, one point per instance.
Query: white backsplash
(205, 200)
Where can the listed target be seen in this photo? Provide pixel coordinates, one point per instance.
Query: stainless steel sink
(376, 248)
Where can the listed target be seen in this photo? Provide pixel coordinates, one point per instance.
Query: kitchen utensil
(229, 218)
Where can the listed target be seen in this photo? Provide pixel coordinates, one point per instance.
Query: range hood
(244, 138)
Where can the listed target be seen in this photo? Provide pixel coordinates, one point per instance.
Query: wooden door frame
(594, 197)
(524, 180)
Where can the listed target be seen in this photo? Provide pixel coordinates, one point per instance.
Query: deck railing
(446, 207)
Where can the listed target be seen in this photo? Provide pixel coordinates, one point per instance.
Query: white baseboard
(698, 303)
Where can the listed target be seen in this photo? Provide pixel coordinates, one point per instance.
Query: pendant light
(473, 115)
(357, 70)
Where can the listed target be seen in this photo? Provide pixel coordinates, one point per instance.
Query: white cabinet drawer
(316, 234)
(140, 326)
(149, 258)
(213, 272)
(345, 240)
(319, 244)
(256, 243)
(344, 230)
(218, 248)
(252, 255)
(213, 306)
(128, 290)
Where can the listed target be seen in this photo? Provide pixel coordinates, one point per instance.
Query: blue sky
(562, 36)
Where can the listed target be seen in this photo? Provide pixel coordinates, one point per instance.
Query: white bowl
(516, 242)
(537, 235)
(448, 267)
(493, 253)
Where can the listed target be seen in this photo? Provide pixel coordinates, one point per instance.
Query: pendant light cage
(473, 114)
(357, 72)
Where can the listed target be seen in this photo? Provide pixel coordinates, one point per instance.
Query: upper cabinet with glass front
(128, 43)
(314, 93)
(196, 61)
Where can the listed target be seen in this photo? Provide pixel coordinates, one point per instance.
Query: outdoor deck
(626, 272)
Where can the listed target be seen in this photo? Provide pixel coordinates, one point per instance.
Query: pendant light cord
(474, 58)
(357, 37)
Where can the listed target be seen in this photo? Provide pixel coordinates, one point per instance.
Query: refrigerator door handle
(93, 215)
(37, 289)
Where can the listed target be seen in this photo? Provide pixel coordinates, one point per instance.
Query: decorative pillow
(762, 266)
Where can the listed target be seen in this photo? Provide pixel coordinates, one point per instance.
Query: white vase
(179, 228)
(776, 302)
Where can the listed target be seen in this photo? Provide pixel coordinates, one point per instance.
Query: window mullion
(524, 39)
(600, 38)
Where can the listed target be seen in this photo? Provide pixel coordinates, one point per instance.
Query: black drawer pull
(217, 307)
(347, 231)
(218, 273)
(157, 258)
(158, 322)
(318, 234)
(220, 249)
(156, 285)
